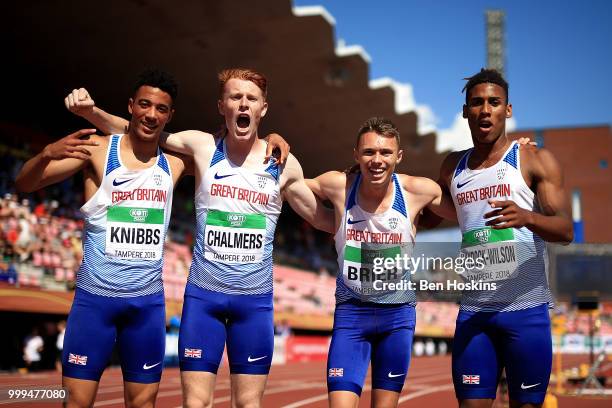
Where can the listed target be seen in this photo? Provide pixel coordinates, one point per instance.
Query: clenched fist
(79, 102)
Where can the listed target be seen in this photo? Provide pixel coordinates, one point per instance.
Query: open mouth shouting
(243, 122)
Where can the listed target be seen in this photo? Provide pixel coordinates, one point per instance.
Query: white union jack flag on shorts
(336, 372)
(471, 379)
(76, 359)
(193, 353)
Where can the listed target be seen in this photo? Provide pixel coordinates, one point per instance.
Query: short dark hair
(157, 78)
(485, 75)
(381, 126)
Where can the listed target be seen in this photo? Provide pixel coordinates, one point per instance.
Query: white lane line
(319, 397)
(278, 390)
(109, 402)
(119, 388)
(306, 401)
(426, 391)
(284, 389)
(160, 394)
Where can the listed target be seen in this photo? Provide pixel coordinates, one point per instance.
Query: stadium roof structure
(319, 93)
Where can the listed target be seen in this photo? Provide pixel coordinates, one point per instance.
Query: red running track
(290, 386)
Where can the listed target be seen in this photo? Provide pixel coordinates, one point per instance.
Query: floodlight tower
(496, 47)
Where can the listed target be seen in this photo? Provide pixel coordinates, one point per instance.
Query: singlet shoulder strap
(219, 153)
(352, 197)
(512, 156)
(112, 160)
(462, 165)
(399, 204)
(273, 168)
(162, 162)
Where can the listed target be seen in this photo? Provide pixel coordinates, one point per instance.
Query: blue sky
(558, 54)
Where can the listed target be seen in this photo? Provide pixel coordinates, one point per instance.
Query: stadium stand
(41, 250)
(40, 247)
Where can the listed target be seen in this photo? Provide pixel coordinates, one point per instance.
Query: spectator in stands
(41, 210)
(52, 244)
(25, 237)
(8, 272)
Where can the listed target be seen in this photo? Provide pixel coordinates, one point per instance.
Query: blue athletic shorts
(210, 319)
(486, 342)
(369, 331)
(96, 323)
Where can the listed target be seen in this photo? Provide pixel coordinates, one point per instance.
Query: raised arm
(187, 142)
(56, 162)
(82, 104)
(302, 199)
(553, 222)
(329, 186)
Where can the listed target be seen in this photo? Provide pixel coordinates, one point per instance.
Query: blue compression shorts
(368, 331)
(210, 319)
(486, 342)
(95, 323)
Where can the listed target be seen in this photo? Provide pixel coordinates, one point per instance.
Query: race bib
(493, 252)
(234, 238)
(134, 233)
(363, 266)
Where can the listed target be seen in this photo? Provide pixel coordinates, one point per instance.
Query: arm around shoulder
(58, 161)
(302, 199)
(187, 142)
(329, 185)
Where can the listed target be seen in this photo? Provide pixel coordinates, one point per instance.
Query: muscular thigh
(90, 335)
(202, 332)
(250, 334)
(350, 349)
(527, 353)
(141, 339)
(476, 360)
(392, 348)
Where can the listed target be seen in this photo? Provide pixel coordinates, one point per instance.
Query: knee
(247, 404)
(140, 403)
(246, 400)
(140, 395)
(76, 402)
(197, 401)
(79, 400)
(476, 403)
(142, 400)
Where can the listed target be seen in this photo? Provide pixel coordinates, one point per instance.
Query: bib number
(493, 252)
(234, 238)
(134, 233)
(363, 266)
